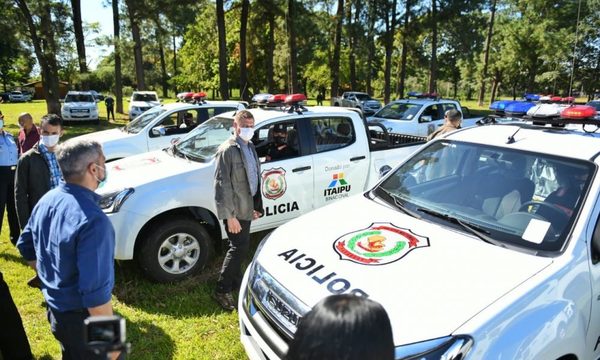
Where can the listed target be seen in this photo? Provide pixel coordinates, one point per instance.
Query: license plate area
(282, 311)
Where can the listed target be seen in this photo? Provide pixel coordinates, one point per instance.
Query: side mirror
(384, 170)
(158, 131)
(426, 118)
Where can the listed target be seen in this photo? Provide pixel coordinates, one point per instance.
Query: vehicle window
(524, 199)
(79, 98)
(144, 97)
(433, 111)
(277, 141)
(332, 133)
(398, 111)
(208, 112)
(448, 106)
(362, 97)
(201, 144)
(143, 120)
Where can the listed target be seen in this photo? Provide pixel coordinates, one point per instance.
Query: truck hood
(142, 169)
(106, 136)
(144, 103)
(431, 279)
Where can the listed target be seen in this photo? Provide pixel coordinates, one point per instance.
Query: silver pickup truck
(359, 100)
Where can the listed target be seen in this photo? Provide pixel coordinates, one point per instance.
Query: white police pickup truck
(485, 244)
(161, 203)
(157, 128)
(418, 117)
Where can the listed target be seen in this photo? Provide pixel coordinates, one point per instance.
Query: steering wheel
(549, 206)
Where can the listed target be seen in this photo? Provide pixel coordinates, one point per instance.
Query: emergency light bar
(578, 112)
(261, 98)
(277, 99)
(294, 98)
(531, 97)
(518, 108)
(199, 97)
(500, 105)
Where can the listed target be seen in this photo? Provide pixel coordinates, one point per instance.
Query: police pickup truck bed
(484, 244)
(162, 205)
(418, 117)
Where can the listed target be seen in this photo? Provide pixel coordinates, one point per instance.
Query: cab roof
(182, 105)
(571, 141)
(262, 115)
(422, 101)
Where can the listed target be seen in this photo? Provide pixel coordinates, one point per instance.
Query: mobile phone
(105, 333)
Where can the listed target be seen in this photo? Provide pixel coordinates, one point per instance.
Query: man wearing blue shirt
(70, 242)
(8, 165)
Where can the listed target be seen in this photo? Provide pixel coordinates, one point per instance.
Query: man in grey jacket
(239, 201)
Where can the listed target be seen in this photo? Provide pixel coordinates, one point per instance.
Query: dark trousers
(231, 272)
(67, 328)
(7, 200)
(110, 110)
(13, 340)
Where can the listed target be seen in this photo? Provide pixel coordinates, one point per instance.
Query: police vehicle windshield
(202, 143)
(140, 122)
(398, 111)
(506, 197)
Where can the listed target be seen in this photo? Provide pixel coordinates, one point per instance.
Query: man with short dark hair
(70, 242)
(452, 121)
(110, 107)
(239, 201)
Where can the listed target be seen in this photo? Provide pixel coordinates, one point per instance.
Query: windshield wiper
(471, 228)
(400, 205)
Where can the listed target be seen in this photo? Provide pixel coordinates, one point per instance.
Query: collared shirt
(250, 164)
(8, 149)
(27, 140)
(55, 173)
(73, 242)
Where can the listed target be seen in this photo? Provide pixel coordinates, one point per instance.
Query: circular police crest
(379, 244)
(273, 183)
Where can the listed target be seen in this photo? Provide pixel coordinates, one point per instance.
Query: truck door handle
(358, 158)
(302, 168)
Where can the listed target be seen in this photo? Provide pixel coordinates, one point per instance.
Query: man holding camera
(70, 242)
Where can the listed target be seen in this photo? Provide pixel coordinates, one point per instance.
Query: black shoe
(35, 282)
(225, 300)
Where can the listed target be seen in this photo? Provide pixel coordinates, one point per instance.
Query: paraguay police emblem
(379, 244)
(273, 183)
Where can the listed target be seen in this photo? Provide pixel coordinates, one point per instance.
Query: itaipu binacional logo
(273, 183)
(379, 244)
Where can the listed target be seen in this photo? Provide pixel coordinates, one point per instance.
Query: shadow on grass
(13, 258)
(190, 297)
(148, 341)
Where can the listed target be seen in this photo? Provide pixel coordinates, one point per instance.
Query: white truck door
(341, 158)
(593, 336)
(286, 172)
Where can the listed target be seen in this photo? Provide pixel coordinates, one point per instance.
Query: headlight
(446, 348)
(111, 202)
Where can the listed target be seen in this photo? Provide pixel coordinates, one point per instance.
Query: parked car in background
(97, 95)
(141, 101)
(17, 96)
(80, 106)
(158, 128)
(360, 100)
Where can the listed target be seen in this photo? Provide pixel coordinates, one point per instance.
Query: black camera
(104, 334)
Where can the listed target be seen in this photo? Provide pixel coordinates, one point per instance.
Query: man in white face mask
(238, 200)
(38, 172)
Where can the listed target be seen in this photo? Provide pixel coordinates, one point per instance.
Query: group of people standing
(60, 231)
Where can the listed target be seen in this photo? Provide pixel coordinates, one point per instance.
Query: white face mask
(246, 133)
(49, 140)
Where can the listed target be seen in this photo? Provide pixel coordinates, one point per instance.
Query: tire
(184, 245)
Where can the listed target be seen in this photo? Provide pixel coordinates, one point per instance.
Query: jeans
(68, 328)
(230, 277)
(7, 200)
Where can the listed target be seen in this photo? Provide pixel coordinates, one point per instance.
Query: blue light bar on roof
(532, 97)
(518, 108)
(414, 94)
(500, 105)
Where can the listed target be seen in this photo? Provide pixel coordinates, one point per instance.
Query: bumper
(258, 337)
(93, 116)
(127, 226)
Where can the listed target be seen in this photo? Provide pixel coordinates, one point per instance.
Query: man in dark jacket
(38, 172)
(239, 201)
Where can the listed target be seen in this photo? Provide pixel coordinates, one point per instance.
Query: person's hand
(233, 226)
(256, 215)
(114, 355)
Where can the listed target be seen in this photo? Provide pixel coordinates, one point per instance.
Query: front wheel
(174, 250)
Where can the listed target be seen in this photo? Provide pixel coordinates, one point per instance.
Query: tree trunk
(371, 46)
(163, 65)
(390, 24)
(351, 43)
(270, 51)
(486, 56)
(117, 45)
(223, 78)
(335, 66)
(79, 40)
(137, 45)
(433, 64)
(44, 47)
(245, 94)
(293, 79)
(174, 63)
(404, 50)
